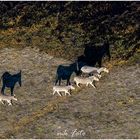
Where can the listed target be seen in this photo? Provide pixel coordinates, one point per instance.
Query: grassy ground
(110, 111)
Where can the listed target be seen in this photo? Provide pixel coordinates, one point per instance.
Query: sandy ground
(110, 111)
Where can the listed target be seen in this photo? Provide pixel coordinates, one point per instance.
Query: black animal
(9, 81)
(94, 54)
(65, 72)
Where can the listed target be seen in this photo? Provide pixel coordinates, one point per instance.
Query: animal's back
(88, 69)
(60, 69)
(6, 75)
(82, 79)
(8, 81)
(60, 87)
(63, 72)
(7, 98)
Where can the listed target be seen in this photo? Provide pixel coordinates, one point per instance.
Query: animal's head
(75, 68)
(106, 70)
(72, 87)
(79, 65)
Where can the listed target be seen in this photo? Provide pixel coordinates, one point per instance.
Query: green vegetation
(60, 27)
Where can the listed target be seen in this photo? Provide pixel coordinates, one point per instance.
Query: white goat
(96, 74)
(86, 80)
(89, 69)
(8, 99)
(65, 89)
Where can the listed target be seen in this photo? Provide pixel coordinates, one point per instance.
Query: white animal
(89, 69)
(8, 99)
(65, 89)
(85, 80)
(97, 75)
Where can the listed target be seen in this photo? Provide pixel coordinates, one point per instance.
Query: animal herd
(84, 68)
(88, 76)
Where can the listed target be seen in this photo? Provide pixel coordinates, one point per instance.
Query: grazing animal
(94, 54)
(88, 80)
(89, 69)
(9, 81)
(8, 99)
(65, 89)
(65, 72)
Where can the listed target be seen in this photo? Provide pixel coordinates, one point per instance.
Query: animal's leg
(87, 84)
(54, 92)
(67, 92)
(9, 103)
(2, 90)
(100, 63)
(59, 82)
(12, 89)
(2, 102)
(75, 82)
(68, 82)
(78, 85)
(59, 93)
(92, 85)
(56, 81)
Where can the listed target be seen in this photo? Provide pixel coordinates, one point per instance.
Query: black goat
(65, 72)
(9, 81)
(94, 54)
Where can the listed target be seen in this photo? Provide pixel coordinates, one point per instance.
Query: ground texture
(110, 111)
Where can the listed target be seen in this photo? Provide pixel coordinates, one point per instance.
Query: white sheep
(85, 80)
(65, 89)
(89, 69)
